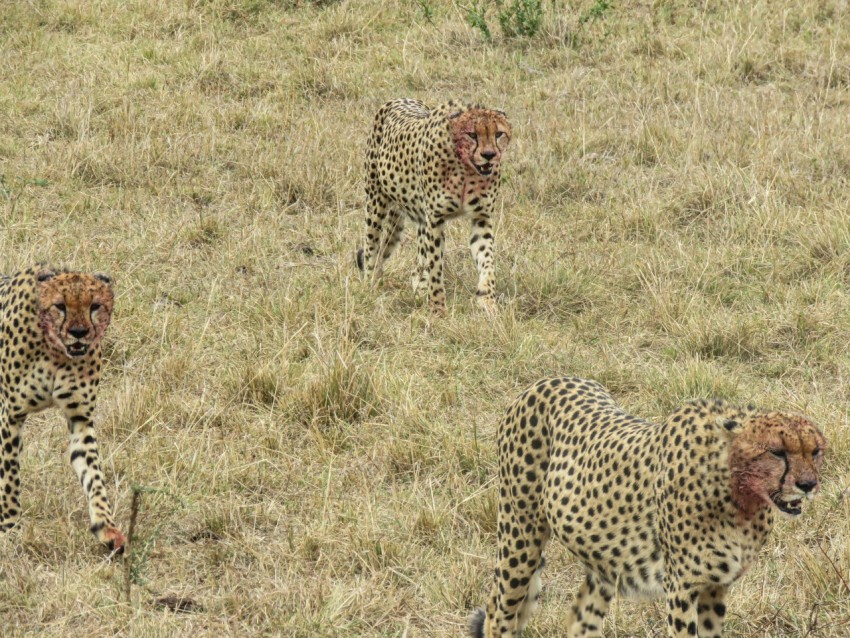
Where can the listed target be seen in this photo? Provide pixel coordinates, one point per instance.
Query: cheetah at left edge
(51, 326)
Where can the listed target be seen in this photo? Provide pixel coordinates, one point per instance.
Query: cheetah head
(775, 461)
(74, 310)
(480, 137)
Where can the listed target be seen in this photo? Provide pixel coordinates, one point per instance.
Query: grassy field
(317, 458)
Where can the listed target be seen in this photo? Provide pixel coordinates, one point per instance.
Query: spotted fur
(51, 326)
(678, 510)
(429, 166)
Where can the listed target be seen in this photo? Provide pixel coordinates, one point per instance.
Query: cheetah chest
(465, 194)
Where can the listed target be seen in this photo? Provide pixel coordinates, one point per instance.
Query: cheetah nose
(488, 155)
(807, 486)
(78, 333)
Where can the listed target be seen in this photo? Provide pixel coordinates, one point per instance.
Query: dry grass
(317, 458)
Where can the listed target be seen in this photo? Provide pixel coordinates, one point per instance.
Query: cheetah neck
(464, 185)
(742, 513)
(749, 506)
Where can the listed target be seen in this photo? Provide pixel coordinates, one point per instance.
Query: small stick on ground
(128, 546)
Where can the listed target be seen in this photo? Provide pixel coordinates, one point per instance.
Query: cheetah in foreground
(51, 326)
(679, 509)
(429, 166)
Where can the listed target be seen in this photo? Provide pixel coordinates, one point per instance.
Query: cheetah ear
(732, 426)
(455, 115)
(501, 112)
(104, 278)
(44, 274)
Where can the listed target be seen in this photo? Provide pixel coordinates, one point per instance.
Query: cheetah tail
(359, 259)
(476, 623)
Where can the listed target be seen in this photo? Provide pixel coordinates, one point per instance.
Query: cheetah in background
(429, 166)
(51, 326)
(678, 509)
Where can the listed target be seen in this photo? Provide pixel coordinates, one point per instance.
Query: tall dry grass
(317, 458)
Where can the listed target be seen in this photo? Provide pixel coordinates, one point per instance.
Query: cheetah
(429, 166)
(678, 510)
(51, 326)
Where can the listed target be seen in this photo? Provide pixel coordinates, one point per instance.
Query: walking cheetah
(429, 166)
(51, 325)
(679, 509)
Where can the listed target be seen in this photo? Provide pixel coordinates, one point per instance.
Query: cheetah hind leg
(529, 606)
(382, 250)
(478, 626)
(419, 279)
(369, 256)
(395, 225)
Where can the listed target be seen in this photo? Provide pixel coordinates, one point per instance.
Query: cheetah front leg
(83, 453)
(681, 612)
(589, 609)
(481, 245)
(10, 479)
(432, 249)
(711, 611)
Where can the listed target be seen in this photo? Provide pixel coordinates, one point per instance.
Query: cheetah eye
(59, 306)
(499, 135)
(780, 454)
(473, 136)
(816, 451)
(95, 306)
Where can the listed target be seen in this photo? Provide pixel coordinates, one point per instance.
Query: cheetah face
(74, 310)
(480, 137)
(776, 461)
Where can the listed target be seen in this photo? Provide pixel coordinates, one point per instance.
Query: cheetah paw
(438, 309)
(489, 306)
(112, 538)
(7, 525)
(418, 283)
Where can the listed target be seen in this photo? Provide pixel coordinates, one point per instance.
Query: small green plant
(477, 19)
(517, 18)
(596, 12)
(521, 18)
(427, 10)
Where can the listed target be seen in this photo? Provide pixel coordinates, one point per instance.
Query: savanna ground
(317, 458)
